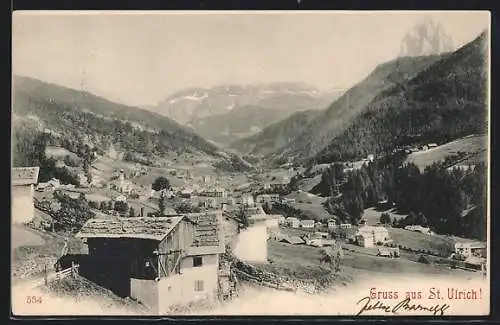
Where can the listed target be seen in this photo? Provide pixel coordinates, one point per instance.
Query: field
(60, 153)
(470, 144)
(310, 204)
(416, 240)
(300, 261)
(307, 184)
(372, 215)
(304, 261)
(360, 258)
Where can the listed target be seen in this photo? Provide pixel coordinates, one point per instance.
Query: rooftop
(138, 227)
(206, 229)
(24, 175)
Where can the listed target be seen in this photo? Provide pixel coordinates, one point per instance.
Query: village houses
(121, 198)
(22, 205)
(49, 186)
(418, 228)
(470, 248)
(279, 184)
(332, 223)
(369, 236)
(267, 198)
(292, 222)
(158, 261)
(309, 224)
(247, 200)
(218, 192)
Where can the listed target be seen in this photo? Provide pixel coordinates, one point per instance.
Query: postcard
(250, 163)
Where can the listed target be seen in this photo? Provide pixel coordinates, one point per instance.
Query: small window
(198, 285)
(197, 261)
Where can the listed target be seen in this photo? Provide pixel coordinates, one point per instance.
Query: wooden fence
(70, 271)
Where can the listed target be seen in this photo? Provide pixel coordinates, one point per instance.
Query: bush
(385, 219)
(121, 206)
(423, 259)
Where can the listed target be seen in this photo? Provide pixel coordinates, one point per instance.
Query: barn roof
(307, 222)
(137, 227)
(295, 240)
(24, 175)
(207, 229)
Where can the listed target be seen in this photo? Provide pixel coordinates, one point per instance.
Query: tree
(421, 219)
(385, 218)
(242, 217)
(161, 205)
(161, 183)
(121, 206)
(186, 208)
(103, 206)
(93, 204)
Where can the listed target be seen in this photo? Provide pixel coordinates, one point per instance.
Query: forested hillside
(331, 122)
(450, 201)
(275, 135)
(444, 102)
(77, 118)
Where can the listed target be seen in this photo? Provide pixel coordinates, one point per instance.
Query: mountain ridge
(193, 104)
(443, 102)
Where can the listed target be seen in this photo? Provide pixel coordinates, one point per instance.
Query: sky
(140, 58)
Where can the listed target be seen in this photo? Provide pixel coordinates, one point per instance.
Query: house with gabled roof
(159, 261)
(307, 223)
(23, 180)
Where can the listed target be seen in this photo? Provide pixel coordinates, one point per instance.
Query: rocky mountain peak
(426, 38)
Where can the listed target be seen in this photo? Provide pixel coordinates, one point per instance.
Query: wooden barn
(159, 261)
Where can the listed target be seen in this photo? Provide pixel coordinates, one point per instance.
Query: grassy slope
(82, 290)
(29, 256)
(475, 145)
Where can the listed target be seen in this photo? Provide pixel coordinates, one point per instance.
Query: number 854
(33, 299)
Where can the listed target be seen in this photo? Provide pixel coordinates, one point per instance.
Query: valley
(222, 193)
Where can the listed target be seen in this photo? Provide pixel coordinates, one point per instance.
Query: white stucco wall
(160, 295)
(23, 209)
(146, 291)
(180, 288)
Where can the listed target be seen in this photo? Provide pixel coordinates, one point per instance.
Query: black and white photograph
(219, 163)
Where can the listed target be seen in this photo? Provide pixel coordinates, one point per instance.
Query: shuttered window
(197, 261)
(198, 285)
